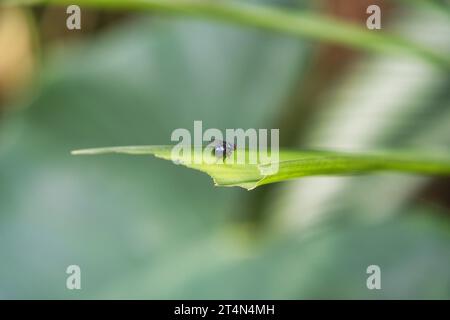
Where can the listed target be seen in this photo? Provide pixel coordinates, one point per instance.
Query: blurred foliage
(17, 57)
(271, 18)
(140, 228)
(119, 89)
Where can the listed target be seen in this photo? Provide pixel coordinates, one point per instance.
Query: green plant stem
(298, 23)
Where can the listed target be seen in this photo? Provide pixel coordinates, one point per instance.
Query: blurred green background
(142, 228)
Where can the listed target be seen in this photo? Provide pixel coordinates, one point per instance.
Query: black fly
(222, 149)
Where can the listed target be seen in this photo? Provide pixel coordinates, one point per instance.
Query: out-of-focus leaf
(381, 103)
(303, 24)
(330, 262)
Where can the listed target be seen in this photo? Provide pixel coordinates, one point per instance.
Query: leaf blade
(291, 164)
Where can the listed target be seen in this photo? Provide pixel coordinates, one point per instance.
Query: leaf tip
(82, 152)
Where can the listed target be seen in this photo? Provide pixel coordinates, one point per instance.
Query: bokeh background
(142, 228)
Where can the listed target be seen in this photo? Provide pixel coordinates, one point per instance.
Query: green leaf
(290, 164)
(140, 79)
(298, 23)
